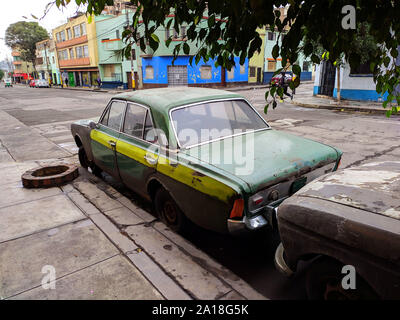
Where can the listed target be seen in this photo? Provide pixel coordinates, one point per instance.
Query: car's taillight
(237, 210)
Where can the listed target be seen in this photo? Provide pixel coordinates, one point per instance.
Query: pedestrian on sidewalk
(284, 85)
(66, 82)
(98, 82)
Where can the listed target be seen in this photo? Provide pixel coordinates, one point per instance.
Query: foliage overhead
(1, 74)
(24, 36)
(231, 31)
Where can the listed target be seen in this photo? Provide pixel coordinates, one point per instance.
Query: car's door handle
(112, 143)
(150, 159)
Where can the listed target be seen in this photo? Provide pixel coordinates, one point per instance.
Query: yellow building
(77, 56)
(256, 63)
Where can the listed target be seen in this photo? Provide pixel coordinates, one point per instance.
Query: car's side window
(114, 115)
(149, 132)
(134, 120)
(104, 120)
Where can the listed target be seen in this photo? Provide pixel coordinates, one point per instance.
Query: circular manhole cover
(49, 176)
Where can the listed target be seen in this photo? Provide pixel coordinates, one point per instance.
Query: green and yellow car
(202, 155)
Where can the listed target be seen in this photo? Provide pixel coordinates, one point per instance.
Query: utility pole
(126, 4)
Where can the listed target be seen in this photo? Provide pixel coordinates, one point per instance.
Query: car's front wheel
(324, 282)
(168, 211)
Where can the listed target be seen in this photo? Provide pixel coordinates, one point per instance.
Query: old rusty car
(346, 218)
(200, 155)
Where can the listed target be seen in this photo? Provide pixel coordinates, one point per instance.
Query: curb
(339, 108)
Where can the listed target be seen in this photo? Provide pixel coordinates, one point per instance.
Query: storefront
(80, 77)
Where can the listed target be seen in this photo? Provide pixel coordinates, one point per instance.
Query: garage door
(177, 76)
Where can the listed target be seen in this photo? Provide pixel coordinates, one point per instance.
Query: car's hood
(372, 187)
(265, 157)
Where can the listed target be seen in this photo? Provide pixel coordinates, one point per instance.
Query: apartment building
(77, 55)
(23, 70)
(46, 64)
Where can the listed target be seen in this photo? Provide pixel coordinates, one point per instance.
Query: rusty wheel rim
(169, 213)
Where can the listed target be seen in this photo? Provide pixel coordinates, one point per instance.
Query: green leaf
(155, 37)
(274, 104)
(275, 51)
(266, 108)
(211, 21)
(266, 95)
(186, 48)
(296, 69)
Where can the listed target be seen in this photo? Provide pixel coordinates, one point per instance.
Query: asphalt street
(40, 118)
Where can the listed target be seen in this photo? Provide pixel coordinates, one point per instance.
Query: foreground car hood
(265, 157)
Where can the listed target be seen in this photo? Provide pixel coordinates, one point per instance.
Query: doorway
(328, 73)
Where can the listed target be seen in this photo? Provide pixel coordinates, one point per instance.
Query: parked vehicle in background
(346, 218)
(275, 79)
(42, 83)
(169, 144)
(32, 83)
(8, 83)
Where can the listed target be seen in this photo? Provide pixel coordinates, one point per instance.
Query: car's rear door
(137, 150)
(104, 137)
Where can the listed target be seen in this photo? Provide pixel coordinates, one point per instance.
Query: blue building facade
(161, 71)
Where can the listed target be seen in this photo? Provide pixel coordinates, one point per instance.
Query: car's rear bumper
(280, 263)
(249, 224)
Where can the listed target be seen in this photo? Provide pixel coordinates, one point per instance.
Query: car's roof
(164, 99)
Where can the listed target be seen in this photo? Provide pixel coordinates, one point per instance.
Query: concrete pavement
(100, 245)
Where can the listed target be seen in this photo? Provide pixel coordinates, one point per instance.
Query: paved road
(37, 126)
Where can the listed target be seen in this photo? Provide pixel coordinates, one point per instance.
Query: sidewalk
(321, 102)
(100, 245)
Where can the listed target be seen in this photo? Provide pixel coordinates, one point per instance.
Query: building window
(242, 69)
(306, 66)
(183, 32)
(85, 51)
(271, 66)
(69, 33)
(271, 36)
(108, 70)
(149, 72)
(133, 54)
(77, 31)
(71, 53)
(62, 36)
(362, 69)
(79, 53)
(83, 26)
(205, 72)
(231, 73)
(58, 37)
(252, 72)
(176, 34)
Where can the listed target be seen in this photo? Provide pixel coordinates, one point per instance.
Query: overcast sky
(16, 9)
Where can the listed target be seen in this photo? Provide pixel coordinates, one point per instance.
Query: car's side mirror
(92, 125)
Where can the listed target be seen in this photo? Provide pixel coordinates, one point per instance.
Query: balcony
(72, 42)
(74, 62)
(17, 63)
(112, 44)
(15, 54)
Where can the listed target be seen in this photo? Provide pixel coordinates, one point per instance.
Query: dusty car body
(41, 83)
(351, 216)
(184, 179)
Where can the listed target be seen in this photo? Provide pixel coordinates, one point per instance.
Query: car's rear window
(213, 120)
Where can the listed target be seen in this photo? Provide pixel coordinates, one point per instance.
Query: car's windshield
(213, 120)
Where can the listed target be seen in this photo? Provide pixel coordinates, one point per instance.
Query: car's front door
(104, 137)
(137, 150)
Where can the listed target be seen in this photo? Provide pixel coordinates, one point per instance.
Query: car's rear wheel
(85, 163)
(83, 159)
(324, 282)
(168, 211)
